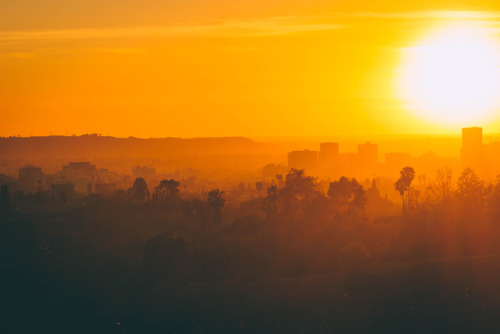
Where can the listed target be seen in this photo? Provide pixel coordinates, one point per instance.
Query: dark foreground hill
(79, 291)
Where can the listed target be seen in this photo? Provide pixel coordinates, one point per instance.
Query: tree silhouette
(139, 191)
(403, 184)
(167, 189)
(441, 187)
(279, 178)
(470, 192)
(346, 194)
(401, 188)
(216, 203)
(298, 190)
(407, 175)
(271, 201)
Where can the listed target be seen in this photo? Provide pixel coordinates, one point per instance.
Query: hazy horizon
(240, 167)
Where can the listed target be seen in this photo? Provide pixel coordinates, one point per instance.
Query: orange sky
(211, 68)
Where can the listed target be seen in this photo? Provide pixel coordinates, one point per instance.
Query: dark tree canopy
(167, 189)
(139, 191)
(4, 199)
(400, 187)
(298, 183)
(270, 202)
(298, 190)
(4, 194)
(346, 193)
(471, 192)
(407, 176)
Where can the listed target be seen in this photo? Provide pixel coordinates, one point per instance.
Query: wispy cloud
(20, 44)
(234, 28)
(433, 15)
(273, 26)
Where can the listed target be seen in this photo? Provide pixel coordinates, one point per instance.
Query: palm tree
(399, 185)
(403, 184)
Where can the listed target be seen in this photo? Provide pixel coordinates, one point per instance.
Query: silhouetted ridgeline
(74, 147)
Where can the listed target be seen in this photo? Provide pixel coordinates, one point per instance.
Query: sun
(452, 77)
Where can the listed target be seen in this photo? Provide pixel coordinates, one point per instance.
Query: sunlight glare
(452, 77)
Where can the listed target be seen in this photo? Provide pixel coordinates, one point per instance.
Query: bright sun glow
(452, 77)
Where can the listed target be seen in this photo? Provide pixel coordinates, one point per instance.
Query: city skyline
(330, 161)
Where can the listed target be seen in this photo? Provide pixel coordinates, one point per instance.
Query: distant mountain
(95, 146)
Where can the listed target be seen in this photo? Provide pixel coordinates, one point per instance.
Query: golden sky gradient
(216, 68)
